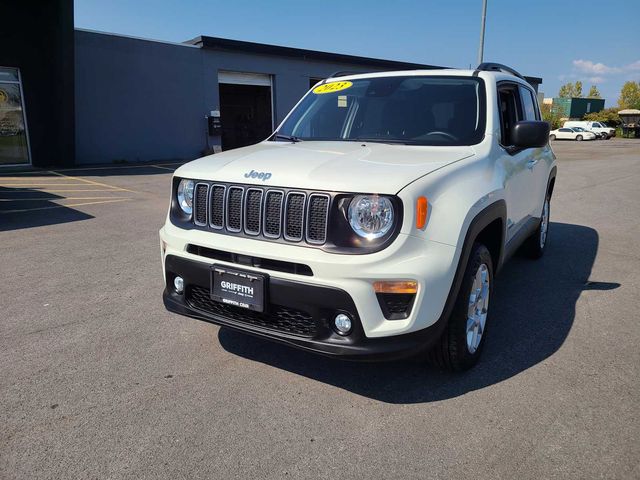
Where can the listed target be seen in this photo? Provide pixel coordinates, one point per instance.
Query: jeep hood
(332, 166)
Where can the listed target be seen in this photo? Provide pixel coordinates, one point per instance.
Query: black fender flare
(552, 178)
(491, 213)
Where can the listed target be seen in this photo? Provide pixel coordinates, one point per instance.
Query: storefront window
(14, 144)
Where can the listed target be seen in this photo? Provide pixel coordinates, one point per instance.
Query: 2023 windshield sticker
(332, 87)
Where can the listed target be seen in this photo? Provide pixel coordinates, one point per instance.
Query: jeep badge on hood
(264, 176)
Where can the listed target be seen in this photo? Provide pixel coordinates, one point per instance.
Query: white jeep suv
(371, 224)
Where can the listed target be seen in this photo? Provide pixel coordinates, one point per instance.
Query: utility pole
(484, 20)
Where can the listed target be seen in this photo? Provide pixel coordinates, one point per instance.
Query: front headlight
(371, 216)
(185, 195)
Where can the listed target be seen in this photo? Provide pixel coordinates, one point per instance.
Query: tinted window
(528, 104)
(430, 110)
(566, 130)
(509, 113)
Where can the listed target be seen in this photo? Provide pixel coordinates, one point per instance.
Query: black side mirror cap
(530, 134)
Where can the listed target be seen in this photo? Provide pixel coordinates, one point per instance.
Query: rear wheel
(461, 343)
(579, 138)
(552, 137)
(536, 244)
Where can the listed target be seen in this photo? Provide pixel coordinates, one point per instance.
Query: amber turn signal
(402, 286)
(422, 208)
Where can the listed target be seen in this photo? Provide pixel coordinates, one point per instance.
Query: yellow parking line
(44, 190)
(38, 185)
(22, 210)
(95, 203)
(115, 167)
(49, 199)
(92, 182)
(23, 179)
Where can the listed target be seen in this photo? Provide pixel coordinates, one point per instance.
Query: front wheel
(579, 138)
(461, 343)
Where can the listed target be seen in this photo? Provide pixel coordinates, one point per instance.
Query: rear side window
(528, 104)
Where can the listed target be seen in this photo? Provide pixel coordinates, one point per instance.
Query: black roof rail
(343, 73)
(497, 67)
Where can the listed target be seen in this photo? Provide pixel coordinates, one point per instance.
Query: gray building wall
(142, 100)
(137, 100)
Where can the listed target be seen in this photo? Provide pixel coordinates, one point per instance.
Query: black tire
(579, 138)
(534, 246)
(609, 137)
(552, 137)
(451, 352)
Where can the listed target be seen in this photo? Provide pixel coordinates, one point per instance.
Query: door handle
(532, 163)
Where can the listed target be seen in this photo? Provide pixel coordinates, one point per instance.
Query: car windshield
(414, 110)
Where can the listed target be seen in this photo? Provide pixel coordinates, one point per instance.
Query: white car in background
(599, 136)
(595, 127)
(575, 133)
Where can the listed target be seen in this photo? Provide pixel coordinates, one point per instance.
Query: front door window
(14, 144)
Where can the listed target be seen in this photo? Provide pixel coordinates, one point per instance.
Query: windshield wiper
(379, 140)
(290, 138)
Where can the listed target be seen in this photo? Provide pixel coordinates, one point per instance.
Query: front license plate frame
(239, 288)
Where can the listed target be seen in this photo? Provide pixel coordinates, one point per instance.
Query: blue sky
(559, 41)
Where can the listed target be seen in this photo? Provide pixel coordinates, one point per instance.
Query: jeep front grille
(253, 211)
(216, 206)
(200, 198)
(317, 218)
(234, 208)
(273, 213)
(293, 216)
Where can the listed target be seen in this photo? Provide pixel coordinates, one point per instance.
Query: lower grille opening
(277, 317)
(396, 306)
(251, 261)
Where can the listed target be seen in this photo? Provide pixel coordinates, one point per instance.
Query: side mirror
(530, 134)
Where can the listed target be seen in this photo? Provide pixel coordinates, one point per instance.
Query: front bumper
(431, 264)
(309, 309)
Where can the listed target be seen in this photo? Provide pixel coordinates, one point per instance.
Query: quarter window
(528, 104)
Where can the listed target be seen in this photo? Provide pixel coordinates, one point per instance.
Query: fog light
(178, 283)
(343, 324)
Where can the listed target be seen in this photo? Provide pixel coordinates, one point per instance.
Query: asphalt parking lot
(99, 381)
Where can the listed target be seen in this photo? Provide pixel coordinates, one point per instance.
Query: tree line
(573, 90)
(629, 93)
(629, 98)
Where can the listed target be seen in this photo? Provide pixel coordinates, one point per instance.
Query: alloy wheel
(544, 223)
(478, 308)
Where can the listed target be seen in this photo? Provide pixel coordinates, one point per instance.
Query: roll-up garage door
(245, 108)
(242, 78)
